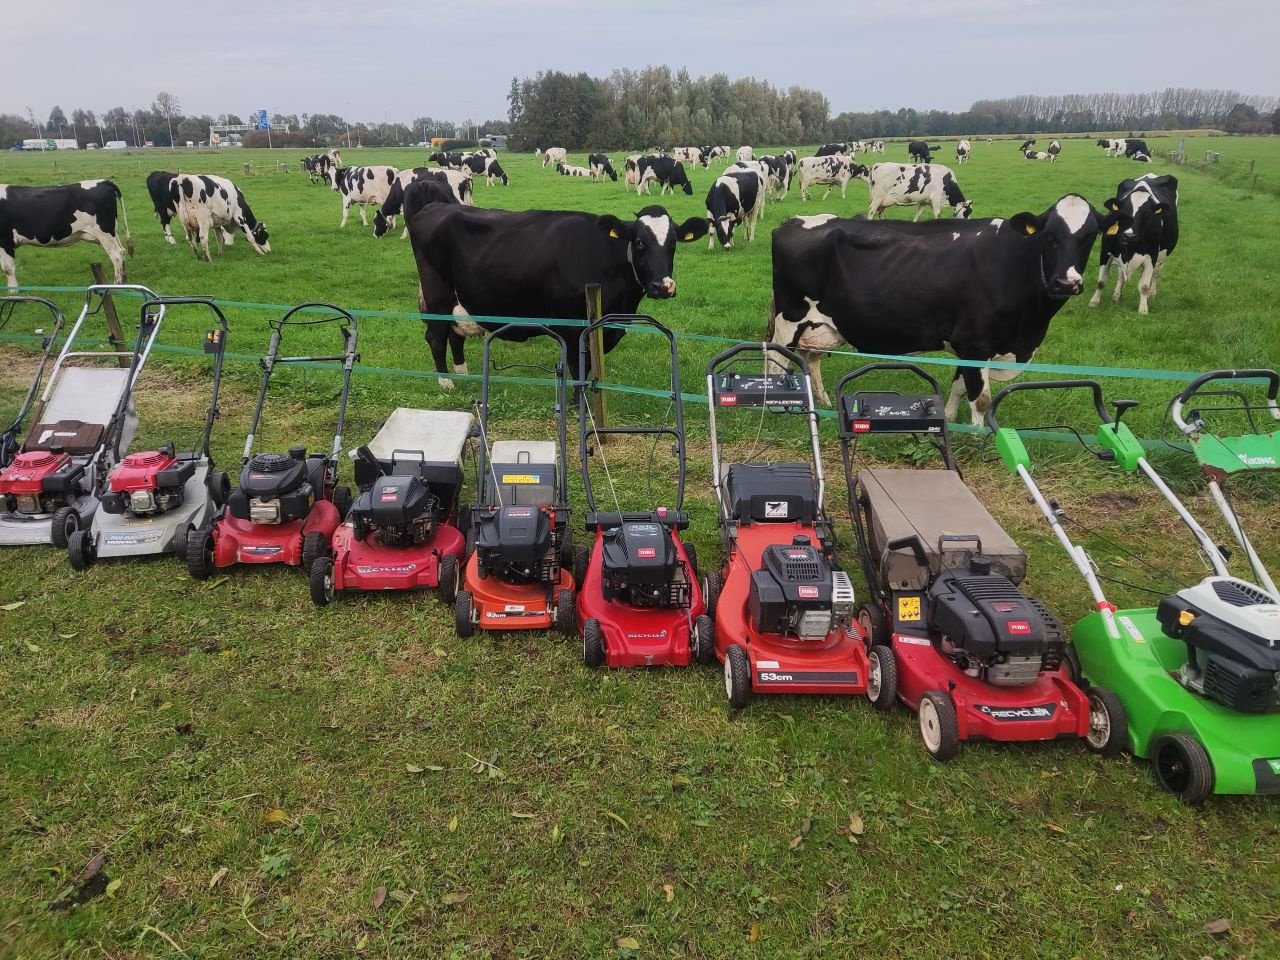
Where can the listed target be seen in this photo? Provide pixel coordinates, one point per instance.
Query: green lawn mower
(1199, 674)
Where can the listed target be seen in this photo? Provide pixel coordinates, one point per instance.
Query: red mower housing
(139, 471)
(24, 479)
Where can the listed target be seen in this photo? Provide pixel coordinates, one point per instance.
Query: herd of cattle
(982, 289)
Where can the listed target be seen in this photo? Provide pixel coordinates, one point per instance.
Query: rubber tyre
(342, 500)
(469, 543)
(80, 550)
(567, 612)
(566, 550)
(711, 592)
(447, 580)
(1182, 767)
(691, 552)
(64, 523)
(874, 626)
(581, 561)
(1108, 723)
(704, 640)
(882, 676)
(1071, 663)
(737, 676)
(314, 546)
(939, 728)
(200, 553)
(180, 542)
(592, 643)
(321, 579)
(462, 614)
(219, 488)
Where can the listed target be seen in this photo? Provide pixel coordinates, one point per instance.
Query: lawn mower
(949, 632)
(400, 533)
(152, 500)
(1199, 674)
(85, 420)
(639, 600)
(519, 547)
(783, 610)
(287, 505)
(47, 338)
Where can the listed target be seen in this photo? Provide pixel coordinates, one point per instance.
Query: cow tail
(124, 214)
(772, 315)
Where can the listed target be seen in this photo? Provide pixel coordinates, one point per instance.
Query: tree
(115, 118)
(514, 104)
(57, 120)
(166, 105)
(194, 129)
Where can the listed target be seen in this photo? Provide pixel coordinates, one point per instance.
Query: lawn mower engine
(145, 484)
(399, 509)
(991, 629)
(1232, 632)
(639, 564)
(518, 545)
(797, 593)
(278, 487)
(40, 482)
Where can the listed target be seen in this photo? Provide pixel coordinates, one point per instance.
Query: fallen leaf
(400, 897)
(1055, 828)
(216, 583)
(524, 816)
(806, 825)
(15, 605)
(362, 942)
(113, 886)
(218, 876)
(68, 636)
(453, 824)
(432, 767)
(1131, 916)
(167, 705)
(555, 833)
(754, 933)
(856, 826)
(1217, 927)
(627, 943)
(92, 868)
(410, 768)
(31, 646)
(613, 816)
(454, 899)
(670, 891)
(795, 841)
(379, 897)
(680, 781)
(274, 816)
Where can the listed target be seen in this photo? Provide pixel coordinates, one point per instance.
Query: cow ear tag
(1158, 210)
(1030, 228)
(690, 236)
(1112, 205)
(614, 234)
(1113, 230)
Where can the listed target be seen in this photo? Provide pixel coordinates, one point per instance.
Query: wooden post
(109, 311)
(595, 346)
(1181, 145)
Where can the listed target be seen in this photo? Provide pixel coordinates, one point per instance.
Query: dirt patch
(1111, 502)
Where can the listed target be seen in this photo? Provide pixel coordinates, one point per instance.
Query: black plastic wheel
(691, 552)
(321, 577)
(180, 542)
(65, 522)
(1071, 663)
(1108, 723)
(704, 639)
(447, 579)
(737, 676)
(219, 488)
(1182, 767)
(711, 592)
(939, 728)
(567, 612)
(470, 543)
(566, 550)
(882, 676)
(200, 553)
(314, 546)
(874, 625)
(581, 561)
(342, 500)
(80, 550)
(592, 643)
(462, 614)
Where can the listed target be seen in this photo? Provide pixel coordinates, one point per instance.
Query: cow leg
(405, 234)
(1145, 283)
(168, 234)
(1104, 271)
(9, 266)
(1122, 274)
(977, 389)
(346, 209)
(952, 408)
(1155, 276)
(114, 250)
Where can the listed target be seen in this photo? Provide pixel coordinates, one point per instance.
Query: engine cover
(278, 487)
(794, 591)
(400, 508)
(1232, 632)
(986, 615)
(516, 544)
(639, 563)
(268, 476)
(148, 483)
(40, 482)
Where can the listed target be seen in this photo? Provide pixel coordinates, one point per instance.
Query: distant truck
(50, 143)
(115, 145)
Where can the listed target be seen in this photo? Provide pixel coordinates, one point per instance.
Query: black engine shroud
(794, 591)
(400, 509)
(639, 563)
(518, 544)
(278, 487)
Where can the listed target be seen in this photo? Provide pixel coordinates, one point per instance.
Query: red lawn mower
(948, 630)
(639, 601)
(783, 610)
(288, 504)
(519, 546)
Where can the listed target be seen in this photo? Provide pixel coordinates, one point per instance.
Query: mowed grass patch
(511, 802)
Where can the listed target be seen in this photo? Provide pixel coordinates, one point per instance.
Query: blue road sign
(262, 120)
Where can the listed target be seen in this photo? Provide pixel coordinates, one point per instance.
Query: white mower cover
(440, 435)
(524, 451)
(90, 395)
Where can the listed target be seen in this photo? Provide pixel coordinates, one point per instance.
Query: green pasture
(267, 779)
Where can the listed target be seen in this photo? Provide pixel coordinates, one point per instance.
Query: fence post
(109, 311)
(595, 348)
(1181, 146)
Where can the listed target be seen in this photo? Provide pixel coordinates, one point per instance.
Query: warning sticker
(908, 608)
(521, 478)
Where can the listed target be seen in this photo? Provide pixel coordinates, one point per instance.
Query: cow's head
(259, 234)
(963, 209)
(1104, 143)
(1136, 210)
(382, 224)
(651, 240)
(1064, 235)
(859, 171)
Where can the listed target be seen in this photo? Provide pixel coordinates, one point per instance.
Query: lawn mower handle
(1273, 390)
(916, 546)
(213, 413)
(759, 346)
(888, 365)
(1091, 385)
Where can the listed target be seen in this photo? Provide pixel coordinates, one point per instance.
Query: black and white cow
(165, 203)
(554, 155)
(1112, 148)
(1027, 145)
(321, 166)
(916, 185)
(1054, 149)
(962, 152)
(736, 197)
(832, 150)
(423, 191)
(668, 172)
(60, 216)
(481, 165)
(1143, 236)
(457, 182)
(830, 171)
(718, 153)
(570, 170)
(363, 187)
(981, 289)
(449, 159)
(1133, 147)
(1141, 157)
(1037, 155)
(631, 169)
(921, 151)
(691, 155)
(877, 146)
(207, 204)
(536, 263)
(600, 167)
(745, 154)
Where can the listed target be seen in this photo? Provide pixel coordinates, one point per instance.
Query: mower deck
(241, 541)
(498, 605)
(366, 565)
(126, 535)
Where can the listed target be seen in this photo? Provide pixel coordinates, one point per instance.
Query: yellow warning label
(521, 478)
(908, 608)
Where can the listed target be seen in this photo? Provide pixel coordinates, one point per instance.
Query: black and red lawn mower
(949, 631)
(519, 545)
(639, 600)
(287, 505)
(783, 609)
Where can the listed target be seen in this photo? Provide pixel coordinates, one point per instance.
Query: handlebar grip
(181, 301)
(1091, 385)
(1271, 376)
(762, 347)
(888, 365)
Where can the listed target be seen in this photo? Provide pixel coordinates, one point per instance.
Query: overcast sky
(408, 58)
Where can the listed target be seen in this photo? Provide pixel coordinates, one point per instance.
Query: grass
(271, 780)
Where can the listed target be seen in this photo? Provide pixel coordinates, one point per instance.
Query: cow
(1140, 157)
(667, 171)
(457, 182)
(631, 169)
(918, 185)
(831, 171)
(736, 197)
(1026, 145)
(745, 153)
(1143, 236)
(165, 204)
(778, 178)
(921, 151)
(1112, 148)
(694, 155)
(1037, 155)
(60, 216)
(363, 187)
(423, 191)
(486, 166)
(554, 155)
(832, 149)
(600, 167)
(718, 153)
(569, 170)
(877, 146)
(536, 263)
(206, 204)
(962, 152)
(489, 152)
(1053, 150)
(1133, 147)
(450, 160)
(321, 166)
(981, 289)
